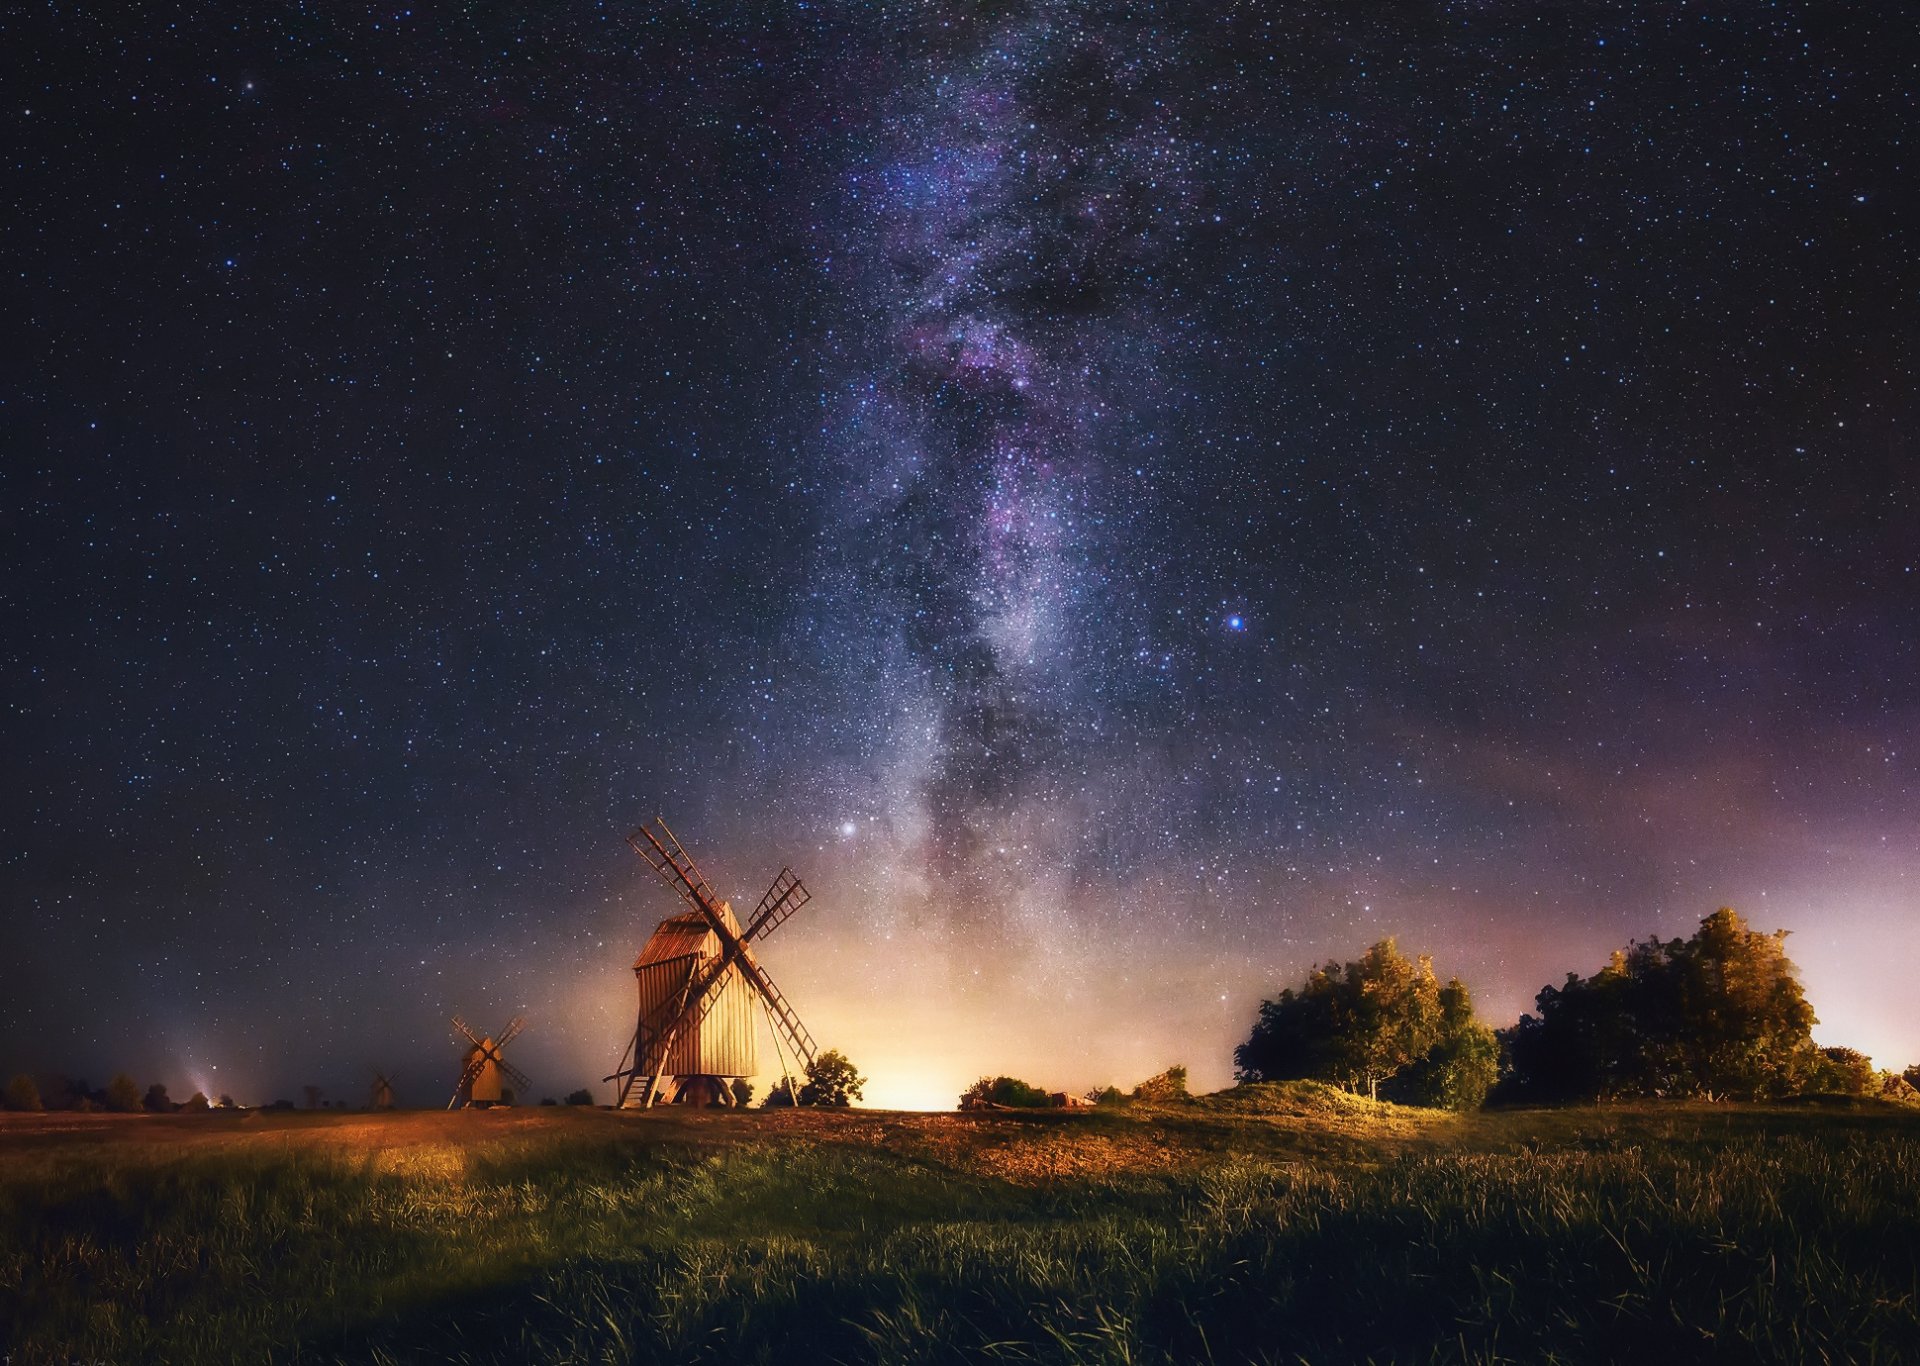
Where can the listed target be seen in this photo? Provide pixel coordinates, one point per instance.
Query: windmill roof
(685, 936)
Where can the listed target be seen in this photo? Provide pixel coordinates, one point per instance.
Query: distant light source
(848, 828)
(1236, 623)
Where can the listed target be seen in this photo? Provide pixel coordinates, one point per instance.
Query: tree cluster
(1718, 1015)
(1383, 1023)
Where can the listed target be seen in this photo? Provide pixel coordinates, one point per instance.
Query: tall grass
(1673, 1236)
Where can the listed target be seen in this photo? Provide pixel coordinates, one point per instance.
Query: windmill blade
(668, 857)
(785, 1018)
(514, 1026)
(787, 895)
(467, 1075)
(461, 1026)
(513, 1073)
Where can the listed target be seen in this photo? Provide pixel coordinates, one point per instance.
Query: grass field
(1268, 1224)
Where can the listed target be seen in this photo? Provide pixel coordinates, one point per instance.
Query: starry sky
(1128, 502)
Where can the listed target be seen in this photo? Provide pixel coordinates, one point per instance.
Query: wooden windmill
(482, 1067)
(700, 985)
(382, 1095)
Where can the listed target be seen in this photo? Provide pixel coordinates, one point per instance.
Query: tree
(23, 1094)
(1718, 1015)
(123, 1094)
(1105, 1095)
(831, 1080)
(742, 1092)
(1461, 1067)
(1355, 1024)
(225, 1102)
(156, 1099)
(1009, 1091)
(196, 1104)
(581, 1097)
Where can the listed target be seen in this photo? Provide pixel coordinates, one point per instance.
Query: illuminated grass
(1662, 1234)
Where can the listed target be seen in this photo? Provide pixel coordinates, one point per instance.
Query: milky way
(1128, 506)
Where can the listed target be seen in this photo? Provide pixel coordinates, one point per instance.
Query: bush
(581, 1097)
(156, 1099)
(1009, 1091)
(1106, 1095)
(1844, 1072)
(22, 1094)
(742, 1092)
(196, 1104)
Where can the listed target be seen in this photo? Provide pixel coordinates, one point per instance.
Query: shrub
(581, 1097)
(196, 1104)
(742, 1092)
(1009, 1091)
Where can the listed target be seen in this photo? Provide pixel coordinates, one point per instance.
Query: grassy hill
(1271, 1223)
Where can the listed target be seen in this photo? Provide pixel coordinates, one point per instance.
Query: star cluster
(1128, 503)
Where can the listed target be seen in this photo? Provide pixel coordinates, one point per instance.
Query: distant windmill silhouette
(382, 1095)
(482, 1067)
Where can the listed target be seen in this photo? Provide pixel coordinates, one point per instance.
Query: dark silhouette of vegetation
(196, 1104)
(1010, 1091)
(781, 1096)
(23, 1094)
(742, 1092)
(123, 1094)
(581, 1097)
(1105, 1095)
(1384, 1019)
(156, 1100)
(832, 1080)
(1720, 1015)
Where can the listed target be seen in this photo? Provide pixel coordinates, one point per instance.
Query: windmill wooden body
(382, 1095)
(482, 1069)
(700, 986)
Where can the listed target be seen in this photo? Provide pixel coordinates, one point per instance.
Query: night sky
(1128, 506)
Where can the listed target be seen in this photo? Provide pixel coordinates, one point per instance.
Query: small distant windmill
(699, 985)
(482, 1067)
(382, 1095)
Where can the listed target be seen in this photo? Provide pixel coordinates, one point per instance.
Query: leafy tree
(123, 1094)
(1168, 1085)
(1458, 1071)
(23, 1094)
(1010, 1091)
(742, 1092)
(581, 1097)
(832, 1080)
(1718, 1015)
(196, 1104)
(156, 1099)
(1355, 1024)
(1105, 1095)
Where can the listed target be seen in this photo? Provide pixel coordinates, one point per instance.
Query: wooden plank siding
(724, 1044)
